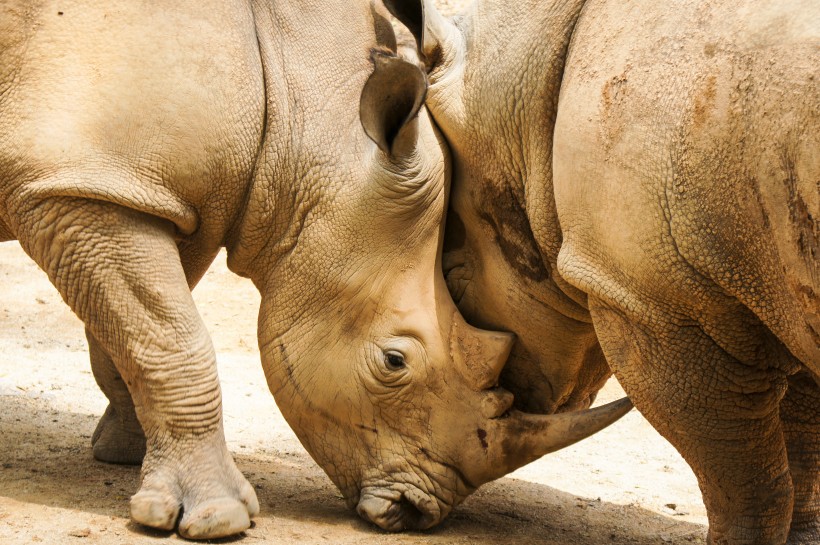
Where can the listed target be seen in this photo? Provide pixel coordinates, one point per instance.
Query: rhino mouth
(406, 500)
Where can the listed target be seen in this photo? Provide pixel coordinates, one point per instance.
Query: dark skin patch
(454, 236)
(504, 212)
(434, 58)
(368, 428)
(808, 235)
(704, 102)
(283, 353)
(482, 436)
(709, 50)
(754, 184)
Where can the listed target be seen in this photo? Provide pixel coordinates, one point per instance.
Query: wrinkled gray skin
(136, 140)
(646, 177)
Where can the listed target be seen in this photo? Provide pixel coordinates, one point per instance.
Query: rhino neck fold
(513, 149)
(522, 48)
(297, 162)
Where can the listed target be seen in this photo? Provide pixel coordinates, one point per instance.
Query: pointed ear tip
(411, 13)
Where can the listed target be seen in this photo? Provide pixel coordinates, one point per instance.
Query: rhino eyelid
(394, 360)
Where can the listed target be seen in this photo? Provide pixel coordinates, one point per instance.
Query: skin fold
(636, 184)
(138, 139)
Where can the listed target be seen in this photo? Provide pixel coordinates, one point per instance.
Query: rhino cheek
(331, 436)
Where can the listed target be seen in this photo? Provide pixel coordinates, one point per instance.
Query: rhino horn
(480, 355)
(523, 438)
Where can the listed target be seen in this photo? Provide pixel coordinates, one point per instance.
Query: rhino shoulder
(94, 103)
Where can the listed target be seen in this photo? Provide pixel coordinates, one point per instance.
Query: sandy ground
(625, 485)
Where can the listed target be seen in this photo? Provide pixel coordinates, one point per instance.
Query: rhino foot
(115, 442)
(203, 485)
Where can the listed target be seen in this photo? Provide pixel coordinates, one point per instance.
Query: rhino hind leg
(800, 413)
(120, 272)
(113, 442)
(721, 414)
(118, 438)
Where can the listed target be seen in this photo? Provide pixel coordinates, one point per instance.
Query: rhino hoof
(215, 518)
(155, 509)
(200, 489)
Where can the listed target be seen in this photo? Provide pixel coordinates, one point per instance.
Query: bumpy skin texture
(666, 163)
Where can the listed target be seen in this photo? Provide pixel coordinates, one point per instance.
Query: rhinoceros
(136, 140)
(636, 183)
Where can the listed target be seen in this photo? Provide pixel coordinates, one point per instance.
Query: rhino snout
(394, 512)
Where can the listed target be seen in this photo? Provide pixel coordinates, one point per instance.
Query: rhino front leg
(800, 413)
(120, 271)
(721, 414)
(118, 438)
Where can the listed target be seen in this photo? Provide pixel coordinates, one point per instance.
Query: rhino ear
(411, 14)
(433, 33)
(391, 99)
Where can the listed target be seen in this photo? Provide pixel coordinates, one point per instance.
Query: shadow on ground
(46, 461)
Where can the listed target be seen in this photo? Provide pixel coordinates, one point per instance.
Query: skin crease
(662, 165)
(136, 141)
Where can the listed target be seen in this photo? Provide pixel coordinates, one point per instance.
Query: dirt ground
(625, 485)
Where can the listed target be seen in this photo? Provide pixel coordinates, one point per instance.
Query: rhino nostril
(383, 513)
(414, 518)
(395, 515)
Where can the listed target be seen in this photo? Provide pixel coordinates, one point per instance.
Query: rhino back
(686, 161)
(157, 107)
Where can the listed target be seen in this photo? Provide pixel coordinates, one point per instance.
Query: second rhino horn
(479, 354)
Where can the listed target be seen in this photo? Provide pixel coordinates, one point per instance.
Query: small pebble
(80, 532)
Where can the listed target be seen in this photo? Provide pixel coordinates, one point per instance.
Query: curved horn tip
(552, 432)
(622, 406)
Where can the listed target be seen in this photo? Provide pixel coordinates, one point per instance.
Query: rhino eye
(394, 360)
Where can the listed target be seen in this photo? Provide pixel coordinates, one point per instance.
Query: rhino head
(388, 388)
(495, 75)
